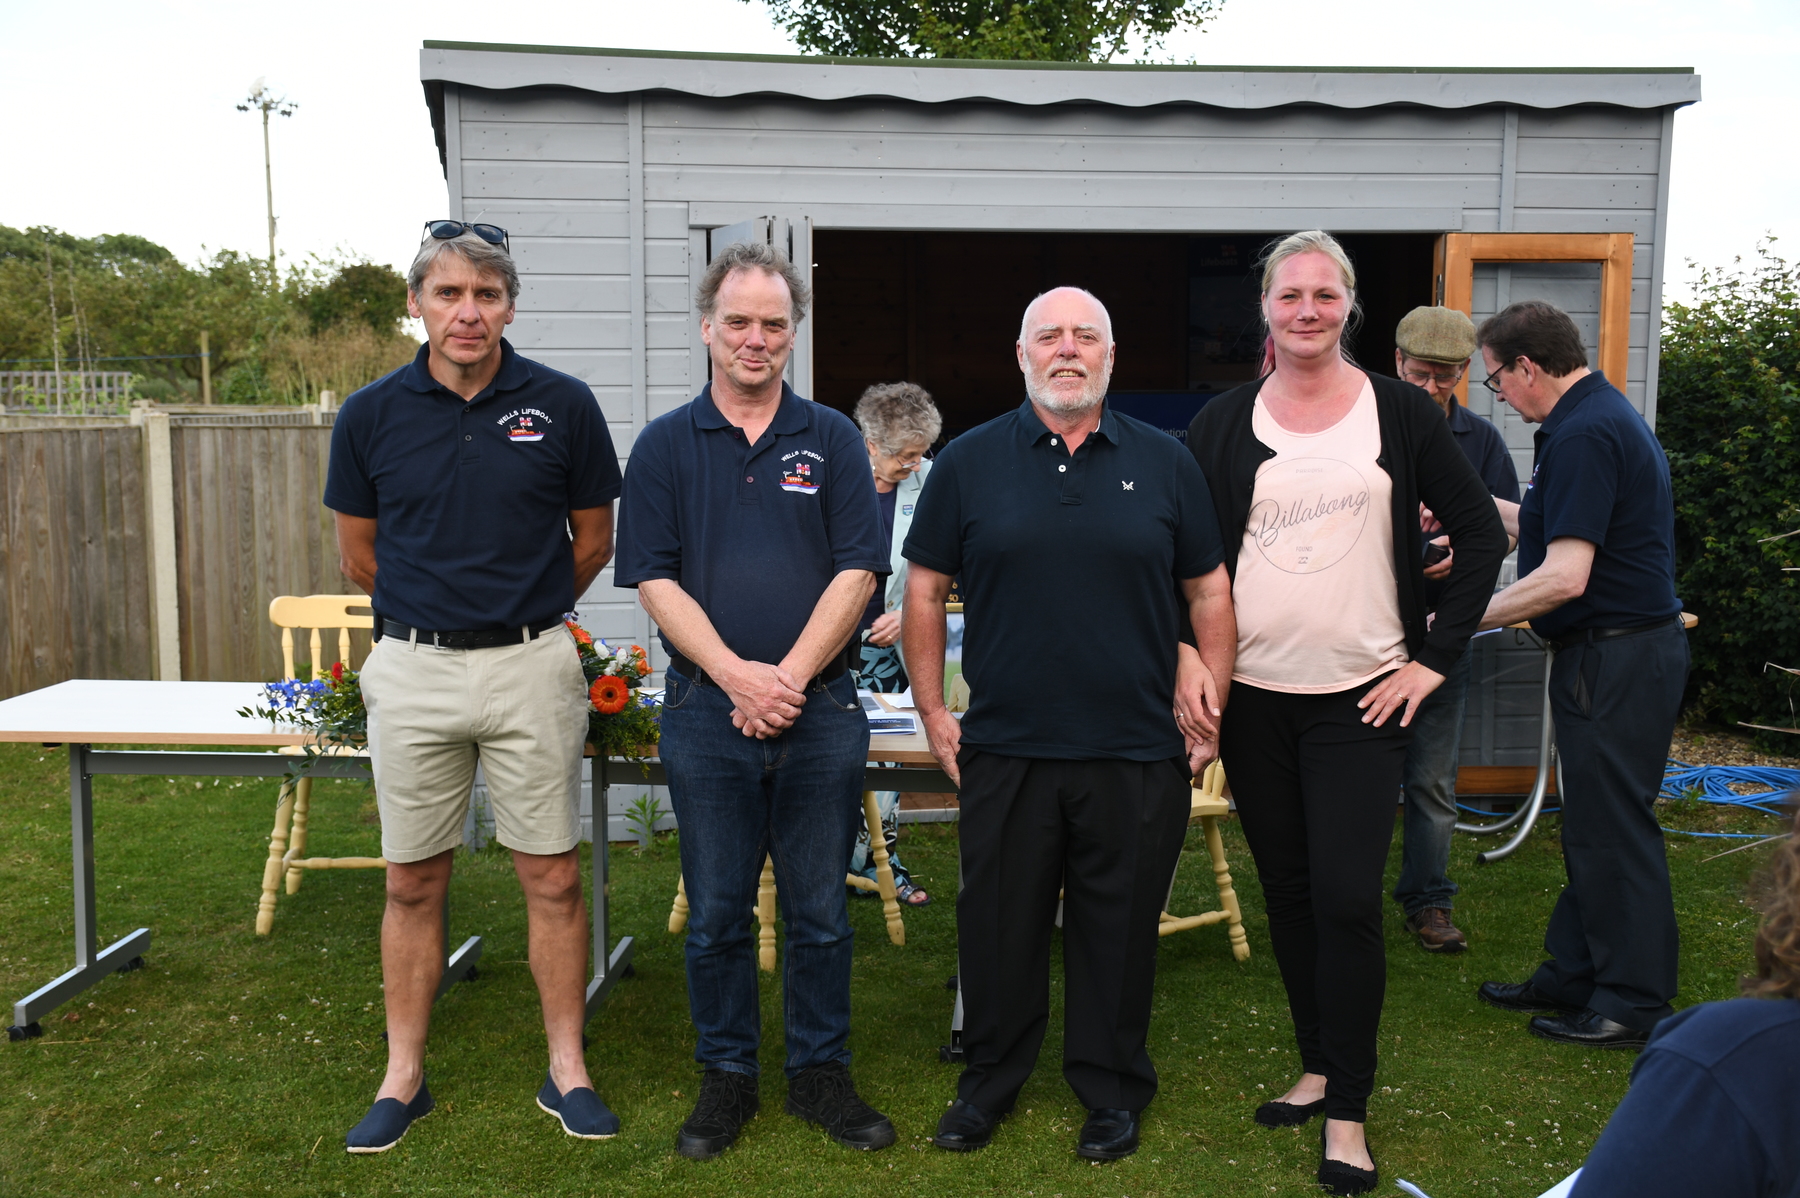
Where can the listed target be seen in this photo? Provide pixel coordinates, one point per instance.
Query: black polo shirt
(1486, 450)
(1070, 568)
(472, 499)
(1601, 476)
(754, 533)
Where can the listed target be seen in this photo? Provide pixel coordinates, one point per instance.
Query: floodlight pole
(262, 100)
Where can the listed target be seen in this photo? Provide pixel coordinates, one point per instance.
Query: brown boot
(1435, 931)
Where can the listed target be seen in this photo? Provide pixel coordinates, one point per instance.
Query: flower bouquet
(621, 723)
(332, 706)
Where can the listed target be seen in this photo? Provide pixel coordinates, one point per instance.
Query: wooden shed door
(792, 235)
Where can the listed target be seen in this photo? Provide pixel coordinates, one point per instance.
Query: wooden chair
(765, 893)
(287, 842)
(1209, 807)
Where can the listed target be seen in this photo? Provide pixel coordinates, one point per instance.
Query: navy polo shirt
(754, 533)
(1070, 568)
(1711, 1108)
(1601, 476)
(1486, 450)
(471, 499)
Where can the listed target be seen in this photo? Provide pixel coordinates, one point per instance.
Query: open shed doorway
(942, 310)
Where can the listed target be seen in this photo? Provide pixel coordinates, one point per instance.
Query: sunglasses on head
(444, 230)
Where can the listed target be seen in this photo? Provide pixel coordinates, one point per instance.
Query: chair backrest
(1208, 798)
(288, 612)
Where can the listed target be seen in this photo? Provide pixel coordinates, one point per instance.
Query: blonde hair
(1311, 241)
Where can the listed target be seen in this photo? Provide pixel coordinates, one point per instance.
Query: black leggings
(1316, 789)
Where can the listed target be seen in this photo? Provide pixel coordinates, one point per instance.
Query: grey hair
(1104, 314)
(751, 255)
(484, 256)
(894, 415)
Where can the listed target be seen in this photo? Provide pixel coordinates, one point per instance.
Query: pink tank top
(1317, 607)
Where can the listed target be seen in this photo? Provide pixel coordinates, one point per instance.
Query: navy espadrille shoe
(387, 1121)
(579, 1110)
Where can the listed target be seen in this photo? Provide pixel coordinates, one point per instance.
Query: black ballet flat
(1338, 1177)
(1287, 1114)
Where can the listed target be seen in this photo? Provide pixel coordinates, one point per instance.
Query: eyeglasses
(1489, 383)
(444, 230)
(1419, 378)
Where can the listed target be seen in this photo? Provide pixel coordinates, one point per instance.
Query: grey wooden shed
(929, 200)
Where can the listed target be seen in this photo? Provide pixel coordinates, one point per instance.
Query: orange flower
(609, 695)
(578, 632)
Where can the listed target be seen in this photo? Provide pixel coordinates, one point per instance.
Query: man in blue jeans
(750, 529)
(1432, 349)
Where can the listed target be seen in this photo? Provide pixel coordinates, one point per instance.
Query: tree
(1729, 417)
(1040, 30)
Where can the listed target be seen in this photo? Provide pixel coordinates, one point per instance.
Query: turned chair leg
(278, 839)
(1228, 899)
(297, 845)
(884, 870)
(765, 917)
(679, 913)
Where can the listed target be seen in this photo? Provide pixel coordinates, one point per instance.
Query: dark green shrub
(1729, 417)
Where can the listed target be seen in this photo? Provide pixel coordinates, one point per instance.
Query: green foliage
(1039, 30)
(123, 296)
(1729, 417)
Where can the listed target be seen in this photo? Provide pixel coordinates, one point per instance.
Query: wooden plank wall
(74, 575)
(249, 526)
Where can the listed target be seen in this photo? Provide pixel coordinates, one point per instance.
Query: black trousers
(1612, 938)
(1316, 789)
(1108, 833)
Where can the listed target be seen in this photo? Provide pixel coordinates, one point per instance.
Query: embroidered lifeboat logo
(798, 477)
(524, 425)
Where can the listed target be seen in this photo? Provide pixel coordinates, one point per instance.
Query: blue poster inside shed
(1171, 411)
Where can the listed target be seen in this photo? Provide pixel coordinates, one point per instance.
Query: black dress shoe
(1522, 996)
(1590, 1028)
(1287, 1114)
(1108, 1135)
(1340, 1177)
(824, 1095)
(727, 1101)
(965, 1127)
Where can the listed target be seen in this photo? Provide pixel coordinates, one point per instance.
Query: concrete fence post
(159, 523)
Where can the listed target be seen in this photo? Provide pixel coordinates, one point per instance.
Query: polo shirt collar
(1035, 430)
(790, 415)
(1461, 419)
(514, 373)
(1584, 387)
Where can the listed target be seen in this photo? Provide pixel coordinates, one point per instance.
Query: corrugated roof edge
(1002, 64)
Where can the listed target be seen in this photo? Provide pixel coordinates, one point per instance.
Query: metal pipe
(1546, 742)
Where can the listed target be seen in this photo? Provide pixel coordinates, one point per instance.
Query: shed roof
(1132, 85)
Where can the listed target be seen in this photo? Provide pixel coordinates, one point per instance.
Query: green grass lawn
(235, 1063)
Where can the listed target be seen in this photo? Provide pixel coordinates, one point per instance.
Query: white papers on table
(902, 699)
(883, 722)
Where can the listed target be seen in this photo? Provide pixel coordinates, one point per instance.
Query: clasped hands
(1198, 708)
(766, 699)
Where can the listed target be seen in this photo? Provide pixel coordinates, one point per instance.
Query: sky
(121, 118)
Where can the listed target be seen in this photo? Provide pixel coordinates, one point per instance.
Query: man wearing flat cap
(1432, 350)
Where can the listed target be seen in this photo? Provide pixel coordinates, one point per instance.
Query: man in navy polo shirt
(1079, 536)
(1597, 580)
(473, 492)
(1432, 349)
(750, 529)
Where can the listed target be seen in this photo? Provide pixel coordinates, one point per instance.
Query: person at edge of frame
(749, 528)
(1597, 581)
(1318, 471)
(473, 491)
(1074, 774)
(1432, 351)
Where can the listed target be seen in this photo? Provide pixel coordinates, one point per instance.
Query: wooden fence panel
(249, 526)
(74, 575)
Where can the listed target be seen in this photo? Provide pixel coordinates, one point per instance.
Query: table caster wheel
(953, 982)
(134, 964)
(29, 1031)
(949, 1054)
(630, 971)
(473, 974)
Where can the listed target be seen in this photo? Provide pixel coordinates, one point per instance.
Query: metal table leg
(609, 967)
(123, 954)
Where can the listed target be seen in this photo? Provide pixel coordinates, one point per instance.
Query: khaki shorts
(521, 710)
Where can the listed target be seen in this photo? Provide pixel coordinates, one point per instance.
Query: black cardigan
(1421, 456)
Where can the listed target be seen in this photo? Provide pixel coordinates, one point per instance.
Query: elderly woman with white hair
(899, 423)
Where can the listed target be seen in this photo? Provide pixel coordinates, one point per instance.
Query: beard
(1093, 390)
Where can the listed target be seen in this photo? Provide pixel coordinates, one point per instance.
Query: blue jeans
(798, 798)
(1430, 818)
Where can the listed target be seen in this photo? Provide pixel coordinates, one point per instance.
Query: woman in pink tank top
(1317, 471)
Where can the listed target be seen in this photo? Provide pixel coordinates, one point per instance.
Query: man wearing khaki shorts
(473, 491)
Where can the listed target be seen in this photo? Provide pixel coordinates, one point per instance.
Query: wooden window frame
(1457, 254)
